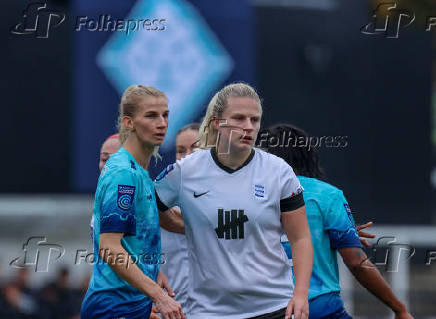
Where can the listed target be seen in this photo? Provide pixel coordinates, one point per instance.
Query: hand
(162, 281)
(363, 234)
(403, 315)
(299, 307)
(168, 307)
(154, 313)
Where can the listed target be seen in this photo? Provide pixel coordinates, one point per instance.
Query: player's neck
(234, 158)
(140, 151)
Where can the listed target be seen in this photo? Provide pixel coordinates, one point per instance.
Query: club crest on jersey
(164, 173)
(126, 193)
(259, 191)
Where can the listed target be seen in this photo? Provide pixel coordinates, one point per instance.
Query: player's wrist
(301, 293)
(156, 293)
(399, 308)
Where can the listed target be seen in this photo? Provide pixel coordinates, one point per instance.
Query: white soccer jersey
(237, 266)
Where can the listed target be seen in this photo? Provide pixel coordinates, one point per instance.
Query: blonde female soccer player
(236, 203)
(126, 222)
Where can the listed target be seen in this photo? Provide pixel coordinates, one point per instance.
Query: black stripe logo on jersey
(231, 224)
(198, 195)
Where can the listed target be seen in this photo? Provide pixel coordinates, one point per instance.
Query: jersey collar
(226, 168)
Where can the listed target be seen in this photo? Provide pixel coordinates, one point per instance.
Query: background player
(109, 147)
(332, 226)
(236, 203)
(174, 245)
(126, 228)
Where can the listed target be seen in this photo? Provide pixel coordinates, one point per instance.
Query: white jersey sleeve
(291, 191)
(167, 186)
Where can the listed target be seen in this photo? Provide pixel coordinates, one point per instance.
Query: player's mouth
(247, 139)
(160, 136)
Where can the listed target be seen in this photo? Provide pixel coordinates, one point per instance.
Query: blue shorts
(328, 306)
(141, 314)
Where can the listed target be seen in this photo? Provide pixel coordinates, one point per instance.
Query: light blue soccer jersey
(332, 227)
(124, 203)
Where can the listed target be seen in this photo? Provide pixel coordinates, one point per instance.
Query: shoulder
(316, 186)
(194, 160)
(119, 166)
(270, 160)
(194, 157)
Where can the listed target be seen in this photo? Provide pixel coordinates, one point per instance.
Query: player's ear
(215, 122)
(128, 123)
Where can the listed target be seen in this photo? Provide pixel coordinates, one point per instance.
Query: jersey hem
(241, 316)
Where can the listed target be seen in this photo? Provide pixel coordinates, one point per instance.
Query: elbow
(353, 265)
(358, 264)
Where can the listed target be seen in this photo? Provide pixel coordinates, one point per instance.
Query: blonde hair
(208, 135)
(129, 107)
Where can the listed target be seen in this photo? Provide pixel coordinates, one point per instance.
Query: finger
(168, 288)
(368, 224)
(364, 242)
(366, 235)
(177, 314)
(289, 311)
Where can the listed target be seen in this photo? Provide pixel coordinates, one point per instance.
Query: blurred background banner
(189, 52)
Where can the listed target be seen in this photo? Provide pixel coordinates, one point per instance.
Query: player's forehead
(152, 104)
(242, 105)
(110, 146)
(186, 137)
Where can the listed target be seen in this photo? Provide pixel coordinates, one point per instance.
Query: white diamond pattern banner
(186, 60)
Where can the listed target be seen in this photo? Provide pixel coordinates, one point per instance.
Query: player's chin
(158, 140)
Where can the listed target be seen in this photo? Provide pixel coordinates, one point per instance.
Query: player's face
(240, 122)
(108, 148)
(186, 143)
(151, 120)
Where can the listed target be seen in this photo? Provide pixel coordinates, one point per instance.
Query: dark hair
(191, 126)
(303, 159)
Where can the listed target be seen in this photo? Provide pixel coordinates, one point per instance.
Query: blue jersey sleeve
(339, 224)
(118, 208)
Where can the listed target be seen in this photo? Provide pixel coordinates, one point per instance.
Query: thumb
(168, 288)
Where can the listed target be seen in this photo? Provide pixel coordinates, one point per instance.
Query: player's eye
(255, 119)
(150, 115)
(166, 114)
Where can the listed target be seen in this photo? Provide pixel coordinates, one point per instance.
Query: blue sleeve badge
(164, 173)
(126, 193)
(349, 213)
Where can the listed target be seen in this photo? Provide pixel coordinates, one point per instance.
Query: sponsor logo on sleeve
(348, 210)
(299, 190)
(164, 173)
(126, 193)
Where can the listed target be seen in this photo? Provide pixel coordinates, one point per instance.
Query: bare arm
(172, 220)
(297, 230)
(113, 253)
(369, 277)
